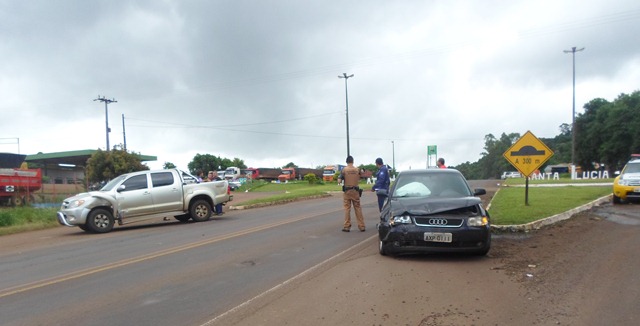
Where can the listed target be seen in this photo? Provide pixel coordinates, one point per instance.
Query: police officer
(381, 187)
(350, 175)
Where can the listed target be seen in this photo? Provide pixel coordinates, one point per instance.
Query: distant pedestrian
(441, 163)
(381, 187)
(350, 175)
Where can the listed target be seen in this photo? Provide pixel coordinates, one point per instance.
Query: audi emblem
(437, 221)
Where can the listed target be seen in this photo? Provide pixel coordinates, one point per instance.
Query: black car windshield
(430, 185)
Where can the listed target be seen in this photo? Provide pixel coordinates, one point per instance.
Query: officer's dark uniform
(351, 176)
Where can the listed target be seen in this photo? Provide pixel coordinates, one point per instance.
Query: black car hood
(422, 206)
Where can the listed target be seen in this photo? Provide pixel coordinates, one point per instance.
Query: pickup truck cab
(144, 195)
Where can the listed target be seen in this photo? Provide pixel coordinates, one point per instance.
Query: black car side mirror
(479, 192)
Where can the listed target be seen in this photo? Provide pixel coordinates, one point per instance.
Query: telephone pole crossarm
(106, 102)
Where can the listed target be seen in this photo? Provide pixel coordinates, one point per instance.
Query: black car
(433, 210)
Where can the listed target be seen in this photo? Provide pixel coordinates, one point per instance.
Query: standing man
(350, 175)
(441, 163)
(213, 176)
(381, 187)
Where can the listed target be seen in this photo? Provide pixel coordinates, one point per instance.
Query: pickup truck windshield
(112, 183)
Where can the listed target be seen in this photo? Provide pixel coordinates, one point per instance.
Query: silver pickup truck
(144, 195)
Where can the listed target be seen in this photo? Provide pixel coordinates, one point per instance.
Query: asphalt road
(167, 273)
(291, 265)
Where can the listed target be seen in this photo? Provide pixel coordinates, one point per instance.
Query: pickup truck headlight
(402, 219)
(76, 203)
(478, 221)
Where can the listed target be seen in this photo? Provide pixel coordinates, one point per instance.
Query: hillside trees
(607, 132)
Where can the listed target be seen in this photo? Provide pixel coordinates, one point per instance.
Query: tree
(607, 132)
(168, 165)
(290, 165)
(103, 166)
(208, 162)
(368, 167)
(204, 163)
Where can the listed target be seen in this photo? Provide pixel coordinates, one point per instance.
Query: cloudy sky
(258, 80)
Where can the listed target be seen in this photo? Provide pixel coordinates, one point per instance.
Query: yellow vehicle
(626, 186)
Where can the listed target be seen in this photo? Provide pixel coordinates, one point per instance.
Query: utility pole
(106, 114)
(573, 112)
(344, 75)
(393, 155)
(124, 134)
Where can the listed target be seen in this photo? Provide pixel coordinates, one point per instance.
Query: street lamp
(106, 114)
(393, 152)
(346, 94)
(573, 112)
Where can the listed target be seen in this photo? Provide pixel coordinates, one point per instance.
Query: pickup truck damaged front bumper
(73, 217)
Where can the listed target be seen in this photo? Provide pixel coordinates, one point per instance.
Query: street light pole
(346, 94)
(106, 114)
(393, 155)
(573, 112)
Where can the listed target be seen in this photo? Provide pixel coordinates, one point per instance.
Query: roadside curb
(535, 225)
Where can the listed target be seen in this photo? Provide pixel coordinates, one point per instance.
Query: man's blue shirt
(382, 179)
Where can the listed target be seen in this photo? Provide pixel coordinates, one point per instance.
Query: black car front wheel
(382, 247)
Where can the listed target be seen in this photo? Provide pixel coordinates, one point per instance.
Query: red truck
(298, 173)
(17, 185)
(261, 173)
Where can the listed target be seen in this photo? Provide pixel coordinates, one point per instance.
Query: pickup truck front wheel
(100, 221)
(200, 210)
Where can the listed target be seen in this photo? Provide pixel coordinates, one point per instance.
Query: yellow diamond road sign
(528, 154)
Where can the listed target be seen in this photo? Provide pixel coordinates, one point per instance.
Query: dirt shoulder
(567, 273)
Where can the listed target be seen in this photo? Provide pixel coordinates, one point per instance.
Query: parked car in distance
(234, 185)
(626, 186)
(433, 210)
(511, 174)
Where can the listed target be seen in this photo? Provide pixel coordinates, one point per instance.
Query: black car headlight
(478, 221)
(401, 219)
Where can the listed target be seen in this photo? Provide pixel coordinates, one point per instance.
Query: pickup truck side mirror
(479, 192)
(121, 188)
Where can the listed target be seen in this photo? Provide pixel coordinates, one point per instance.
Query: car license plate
(636, 190)
(437, 237)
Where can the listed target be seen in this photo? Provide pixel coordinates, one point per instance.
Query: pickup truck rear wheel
(100, 221)
(200, 210)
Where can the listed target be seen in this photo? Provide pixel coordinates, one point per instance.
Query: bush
(6, 219)
(311, 178)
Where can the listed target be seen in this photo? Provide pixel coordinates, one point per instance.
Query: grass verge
(508, 205)
(21, 219)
